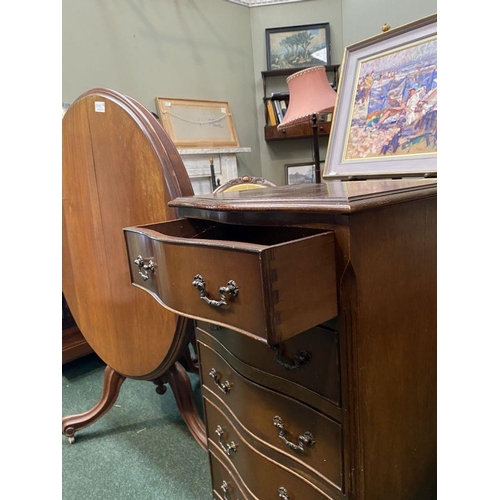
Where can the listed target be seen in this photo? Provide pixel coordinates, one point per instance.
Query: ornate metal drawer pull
(299, 360)
(231, 289)
(225, 489)
(225, 387)
(226, 448)
(150, 266)
(283, 494)
(307, 438)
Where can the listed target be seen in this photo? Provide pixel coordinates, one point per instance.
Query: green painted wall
(365, 18)
(190, 49)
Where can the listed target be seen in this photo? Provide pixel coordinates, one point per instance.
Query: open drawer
(267, 282)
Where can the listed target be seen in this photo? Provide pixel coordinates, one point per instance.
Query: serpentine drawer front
(284, 424)
(225, 484)
(264, 478)
(309, 361)
(268, 283)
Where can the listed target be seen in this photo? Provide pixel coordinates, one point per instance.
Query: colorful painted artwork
(394, 109)
(298, 46)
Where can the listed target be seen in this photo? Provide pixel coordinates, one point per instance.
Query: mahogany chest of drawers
(316, 334)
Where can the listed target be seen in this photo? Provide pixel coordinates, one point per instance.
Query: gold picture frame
(192, 123)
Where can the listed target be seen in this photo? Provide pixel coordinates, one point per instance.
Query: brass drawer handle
(283, 494)
(225, 489)
(231, 289)
(307, 438)
(141, 264)
(226, 448)
(225, 387)
(299, 360)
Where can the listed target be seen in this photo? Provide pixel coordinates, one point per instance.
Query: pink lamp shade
(310, 94)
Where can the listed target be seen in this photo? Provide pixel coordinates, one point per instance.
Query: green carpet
(140, 450)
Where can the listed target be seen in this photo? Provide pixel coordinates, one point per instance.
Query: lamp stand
(317, 172)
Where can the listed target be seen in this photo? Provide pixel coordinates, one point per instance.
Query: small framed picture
(300, 173)
(298, 46)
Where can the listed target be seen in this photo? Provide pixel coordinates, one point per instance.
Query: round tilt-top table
(120, 169)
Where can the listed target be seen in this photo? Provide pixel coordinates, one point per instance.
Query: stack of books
(276, 107)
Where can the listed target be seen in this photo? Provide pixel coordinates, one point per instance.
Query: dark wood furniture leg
(112, 383)
(190, 361)
(178, 379)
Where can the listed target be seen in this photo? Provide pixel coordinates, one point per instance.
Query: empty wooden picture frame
(192, 123)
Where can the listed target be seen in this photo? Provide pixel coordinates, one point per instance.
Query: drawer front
(238, 277)
(262, 476)
(310, 359)
(287, 426)
(224, 483)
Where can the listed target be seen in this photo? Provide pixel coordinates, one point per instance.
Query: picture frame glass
(300, 173)
(298, 46)
(385, 120)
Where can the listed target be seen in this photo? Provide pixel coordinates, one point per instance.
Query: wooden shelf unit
(302, 131)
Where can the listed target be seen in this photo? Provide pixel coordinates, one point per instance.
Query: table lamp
(310, 94)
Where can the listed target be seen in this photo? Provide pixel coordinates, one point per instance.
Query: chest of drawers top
(304, 204)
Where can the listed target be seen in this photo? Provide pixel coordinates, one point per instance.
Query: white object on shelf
(197, 163)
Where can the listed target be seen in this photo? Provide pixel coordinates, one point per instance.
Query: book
(280, 95)
(284, 106)
(270, 112)
(279, 112)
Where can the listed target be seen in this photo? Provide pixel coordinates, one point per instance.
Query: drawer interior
(199, 229)
(192, 259)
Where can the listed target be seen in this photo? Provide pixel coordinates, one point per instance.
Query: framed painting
(298, 46)
(300, 173)
(192, 123)
(385, 120)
